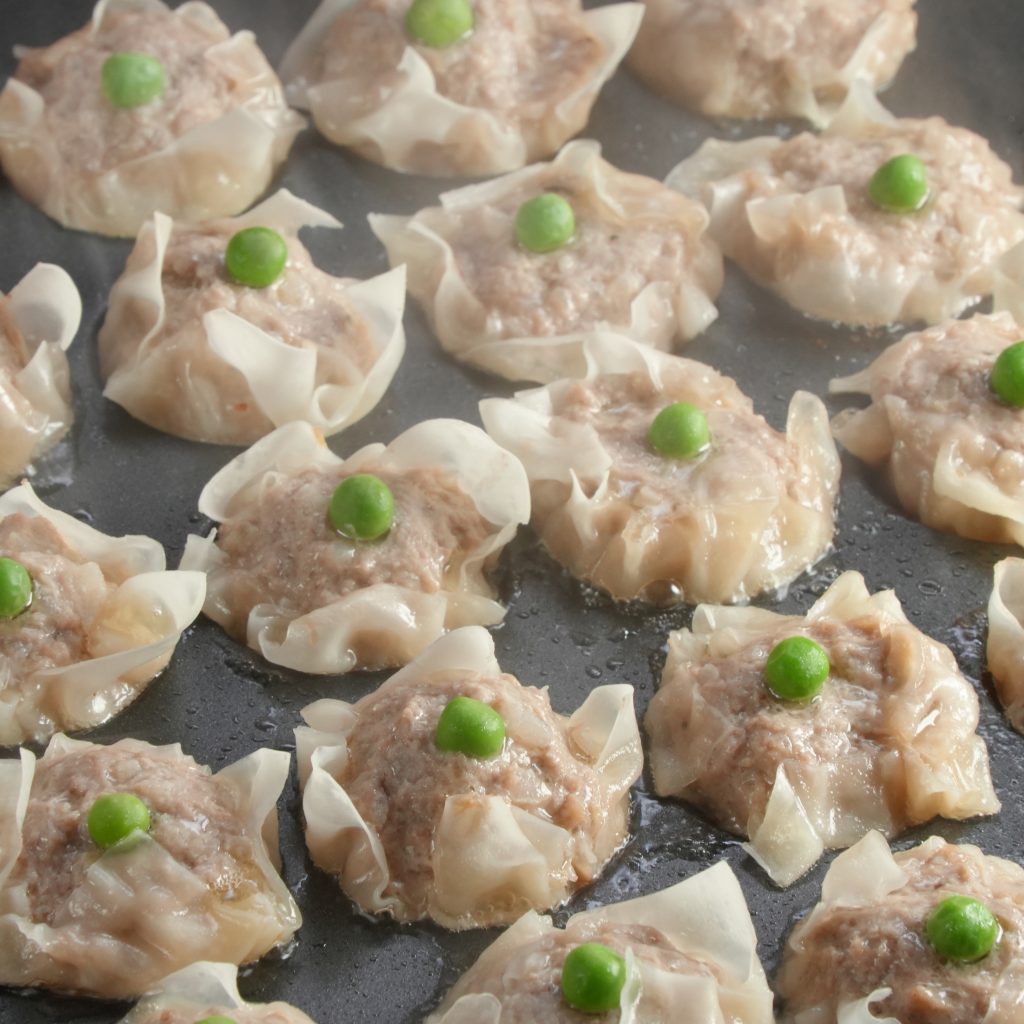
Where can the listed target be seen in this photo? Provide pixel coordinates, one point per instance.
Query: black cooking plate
(221, 701)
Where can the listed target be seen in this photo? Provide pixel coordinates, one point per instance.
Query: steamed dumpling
(796, 215)
(639, 263)
(416, 832)
(770, 58)
(206, 147)
(188, 350)
(199, 885)
(746, 515)
(510, 92)
(890, 742)
(1005, 644)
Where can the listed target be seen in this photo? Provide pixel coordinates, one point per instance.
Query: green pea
(796, 668)
(545, 223)
(900, 185)
(962, 929)
(256, 257)
(439, 23)
(132, 79)
(362, 507)
(15, 588)
(1007, 378)
(679, 431)
(470, 727)
(217, 1018)
(593, 977)
(114, 817)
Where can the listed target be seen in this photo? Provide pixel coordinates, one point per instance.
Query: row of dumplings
(125, 863)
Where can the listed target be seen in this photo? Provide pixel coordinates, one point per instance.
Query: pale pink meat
(273, 1013)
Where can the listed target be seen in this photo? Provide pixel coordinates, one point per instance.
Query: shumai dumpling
(206, 146)
(953, 450)
(103, 618)
(748, 513)
(190, 351)
(284, 581)
(797, 215)
(38, 321)
(638, 263)
(509, 92)
(111, 922)
(862, 956)
(1005, 645)
(469, 841)
(770, 58)
(690, 945)
(203, 990)
(889, 742)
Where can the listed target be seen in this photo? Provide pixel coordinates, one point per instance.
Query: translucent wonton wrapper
(38, 321)
(788, 58)
(890, 742)
(952, 449)
(797, 216)
(1005, 649)
(860, 956)
(489, 857)
(380, 624)
(692, 945)
(133, 915)
(401, 120)
(215, 169)
(204, 989)
(226, 380)
(612, 208)
(132, 629)
(748, 515)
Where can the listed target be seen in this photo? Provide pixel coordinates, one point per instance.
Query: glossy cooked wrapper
(203, 989)
(660, 313)
(489, 858)
(952, 449)
(45, 309)
(238, 381)
(744, 523)
(137, 914)
(797, 217)
(403, 122)
(380, 624)
(704, 918)
(1005, 644)
(788, 58)
(890, 742)
(130, 635)
(215, 169)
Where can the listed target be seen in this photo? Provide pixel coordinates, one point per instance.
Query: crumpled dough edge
(1005, 644)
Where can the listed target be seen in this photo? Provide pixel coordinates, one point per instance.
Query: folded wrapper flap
(1005, 645)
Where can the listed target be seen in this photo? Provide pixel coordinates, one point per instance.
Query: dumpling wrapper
(486, 851)
(1005, 644)
(35, 402)
(748, 526)
(828, 251)
(214, 169)
(328, 640)
(138, 626)
(206, 988)
(139, 914)
(281, 378)
(414, 128)
(704, 916)
(939, 766)
(660, 312)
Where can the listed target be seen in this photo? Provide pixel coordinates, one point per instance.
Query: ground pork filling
(194, 818)
(280, 548)
(91, 134)
(275, 1014)
(399, 780)
(521, 58)
(592, 280)
(846, 952)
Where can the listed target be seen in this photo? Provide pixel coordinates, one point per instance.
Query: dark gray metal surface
(222, 701)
